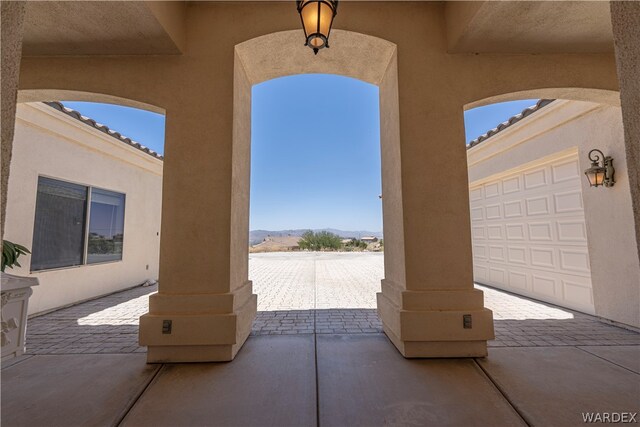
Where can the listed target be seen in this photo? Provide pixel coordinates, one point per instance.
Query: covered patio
(295, 361)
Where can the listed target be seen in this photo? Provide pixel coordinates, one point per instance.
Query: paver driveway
(299, 293)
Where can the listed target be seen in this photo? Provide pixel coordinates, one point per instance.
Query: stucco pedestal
(203, 327)
(432, 323)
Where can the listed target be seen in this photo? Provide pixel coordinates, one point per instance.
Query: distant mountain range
(257, 236)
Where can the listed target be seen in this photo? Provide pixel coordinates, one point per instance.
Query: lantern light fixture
(317, 19)
(601, 171)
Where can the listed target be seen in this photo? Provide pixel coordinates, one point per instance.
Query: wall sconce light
(317, 18)
(601, 171)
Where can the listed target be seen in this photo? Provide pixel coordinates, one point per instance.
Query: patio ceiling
(103, 28)
(529, 27)
(158, 28)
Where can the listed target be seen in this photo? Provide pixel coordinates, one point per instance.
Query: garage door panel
(578, 292)
(570, 201)
(493, 212)
(477, 231)
(572, 230)
(517, 255)
(494, 232)
(497, 274)
(537, 206)
(540, 231)
(518, 280)
(496, 253)
(574, 260)
(529, 233)
(476, 214)
(511, 185)
(475, 194)
(513, 209)
(479, 251)
(535, 179)
(515, 231)
(567, 171)
(492, 190)
(545, 286)
(542, 257)
(480, 273)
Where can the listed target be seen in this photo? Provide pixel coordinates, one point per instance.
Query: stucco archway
(355, 55)
(40, 95)
(601, 96)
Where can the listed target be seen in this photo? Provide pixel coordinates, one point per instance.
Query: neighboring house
(538, 229)
(369, 239)
(86, 201)
(277, 244)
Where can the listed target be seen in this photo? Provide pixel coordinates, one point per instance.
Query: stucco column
(198, 314)
(12, 28)
(435, 311)
(425, 316)
(201, 312)
(625, 20)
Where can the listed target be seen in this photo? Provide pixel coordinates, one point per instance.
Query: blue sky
(315, 158)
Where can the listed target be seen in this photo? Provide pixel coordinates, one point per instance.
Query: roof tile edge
(102, 128)
(511, 121)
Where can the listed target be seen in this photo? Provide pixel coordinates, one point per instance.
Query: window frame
(88, 224)
(87, 219)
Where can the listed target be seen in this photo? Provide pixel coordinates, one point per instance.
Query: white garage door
(529, 234)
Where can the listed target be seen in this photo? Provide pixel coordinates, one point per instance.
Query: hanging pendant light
(317, 18)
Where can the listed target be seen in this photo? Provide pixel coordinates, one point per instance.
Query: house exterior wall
(557, 131)
(50, 143)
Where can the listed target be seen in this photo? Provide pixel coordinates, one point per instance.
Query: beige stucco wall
(562, 127)
(625, 17)
(50, 143)
(12, 16)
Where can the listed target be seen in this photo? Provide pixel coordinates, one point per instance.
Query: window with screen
(58, 235)
(76, 225)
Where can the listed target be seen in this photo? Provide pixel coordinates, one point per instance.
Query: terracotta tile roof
(515, 119)
(102, 128)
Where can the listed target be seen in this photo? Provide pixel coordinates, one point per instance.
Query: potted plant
(10, 254)
(14, 294)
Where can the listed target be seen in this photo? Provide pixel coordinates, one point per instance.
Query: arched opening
(538, 229)
(276, 55)
(85, 197)
(316, 216)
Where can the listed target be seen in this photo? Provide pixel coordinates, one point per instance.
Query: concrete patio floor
(547, 366)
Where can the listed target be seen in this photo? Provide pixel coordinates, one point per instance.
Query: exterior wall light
(317, 18)
(601, 171)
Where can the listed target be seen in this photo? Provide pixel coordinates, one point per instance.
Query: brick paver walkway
(303, 292)
(105, 325)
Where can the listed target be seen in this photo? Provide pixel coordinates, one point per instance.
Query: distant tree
(307, 240)
(355, 245)
(320, 241)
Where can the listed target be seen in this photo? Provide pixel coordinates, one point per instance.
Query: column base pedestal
(197, 328)
(439, 323)
(192, 353)
(436, 349)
